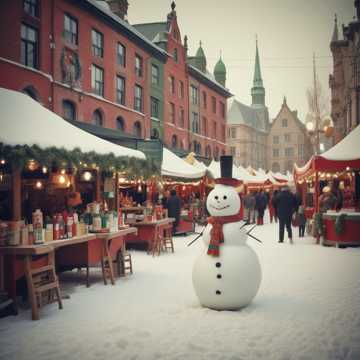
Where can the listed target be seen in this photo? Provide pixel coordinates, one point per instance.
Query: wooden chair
(168, 243)
(107, 262)
(43, 284)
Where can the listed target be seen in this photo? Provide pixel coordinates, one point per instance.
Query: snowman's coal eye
(216, 197)
(225, 197)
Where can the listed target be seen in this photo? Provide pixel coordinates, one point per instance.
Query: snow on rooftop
(23, 121)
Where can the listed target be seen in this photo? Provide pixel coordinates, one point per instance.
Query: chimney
(119, 8)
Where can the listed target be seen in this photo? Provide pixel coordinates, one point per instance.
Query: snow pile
(307, 308)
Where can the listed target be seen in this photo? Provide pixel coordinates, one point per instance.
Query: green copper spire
(257, 91)
(200, 59)
(220, 72)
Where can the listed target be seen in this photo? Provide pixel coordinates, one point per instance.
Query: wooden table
(15, 258)
(87, 254)
(78, 251)
(147, 231)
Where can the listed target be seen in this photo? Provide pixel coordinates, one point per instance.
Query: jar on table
(96, 222)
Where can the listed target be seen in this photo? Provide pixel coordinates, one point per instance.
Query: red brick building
(84, 61)
(80, 60)
(195, 99)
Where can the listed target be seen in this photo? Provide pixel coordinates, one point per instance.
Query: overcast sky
(289, 31)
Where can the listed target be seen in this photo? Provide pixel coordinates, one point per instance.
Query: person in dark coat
(260, 206)
(173, 205)
(285, 204)
(273, 197)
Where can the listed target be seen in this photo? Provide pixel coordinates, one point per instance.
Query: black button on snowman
(227, 276)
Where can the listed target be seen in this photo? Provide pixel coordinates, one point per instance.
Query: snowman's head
(223, 200)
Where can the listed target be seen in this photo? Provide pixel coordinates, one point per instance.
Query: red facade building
(80, 60)
(84, 61)
(191, 121)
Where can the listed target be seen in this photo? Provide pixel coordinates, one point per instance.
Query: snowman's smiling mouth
(218, 209)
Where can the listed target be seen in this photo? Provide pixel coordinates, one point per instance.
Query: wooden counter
(147, 231)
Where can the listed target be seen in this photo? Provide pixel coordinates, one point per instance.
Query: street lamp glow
(310, 126)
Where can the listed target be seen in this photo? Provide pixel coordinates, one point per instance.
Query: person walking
(173, 205)
(285, 204)
(260, 206)
(302, 220)
(249, 206)
(273, 197)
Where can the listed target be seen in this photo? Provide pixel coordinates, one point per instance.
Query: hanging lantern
(32, 165)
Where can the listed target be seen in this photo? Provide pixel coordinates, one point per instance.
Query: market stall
(341, 165)
(57, 184)
(189, 182)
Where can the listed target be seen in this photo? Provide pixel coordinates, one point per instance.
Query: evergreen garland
(133, 168)
(339, 224)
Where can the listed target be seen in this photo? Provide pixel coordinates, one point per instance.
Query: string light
(44, 169)
(63, 171)
(2, 162)
(38, 185)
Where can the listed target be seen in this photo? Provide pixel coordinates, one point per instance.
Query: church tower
(258, 90)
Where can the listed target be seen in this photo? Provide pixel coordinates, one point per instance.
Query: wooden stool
(157, 244)
(43, 284)
(107, 262)
(125, 262)
(167, 238)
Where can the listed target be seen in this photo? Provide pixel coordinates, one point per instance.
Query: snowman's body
(231, 280)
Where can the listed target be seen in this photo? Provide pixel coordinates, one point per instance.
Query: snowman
(227, 276)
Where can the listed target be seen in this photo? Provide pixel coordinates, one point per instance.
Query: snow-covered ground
(308, 307)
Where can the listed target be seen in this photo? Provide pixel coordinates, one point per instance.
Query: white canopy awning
(174, 166)
(346, 149)
(23, 121)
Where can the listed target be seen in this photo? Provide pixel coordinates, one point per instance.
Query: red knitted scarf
(216, 233)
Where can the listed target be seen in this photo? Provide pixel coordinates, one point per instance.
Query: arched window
(208, 152)
(197, 147)
(216, 154)
(198, 150)
(275, 167)
(69, 111)
(174, 141)
(137, 129)
(32, 92)
(175, 54)
(97, 118)
(120, 124)
(155, 134)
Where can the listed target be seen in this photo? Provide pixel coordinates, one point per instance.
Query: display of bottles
(49, 229)
(56, 230)
(69, 226)
(61, 227)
